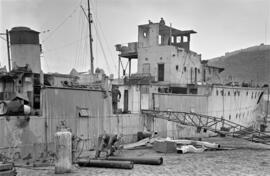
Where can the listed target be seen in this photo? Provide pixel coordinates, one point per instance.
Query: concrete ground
(246, 159)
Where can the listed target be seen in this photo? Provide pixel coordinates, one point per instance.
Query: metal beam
(214, 124)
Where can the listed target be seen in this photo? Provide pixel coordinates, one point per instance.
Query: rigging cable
(98, 25)
(106, 42)
(60, 24)
(102, 48)
(67, 44)
(3, 38)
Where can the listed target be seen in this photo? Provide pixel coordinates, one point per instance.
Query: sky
(222, 26)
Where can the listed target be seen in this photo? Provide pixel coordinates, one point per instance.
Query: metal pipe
(106, 164)
(139, 160)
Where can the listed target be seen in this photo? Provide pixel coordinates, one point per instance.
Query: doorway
(160, 72)
(125, 101)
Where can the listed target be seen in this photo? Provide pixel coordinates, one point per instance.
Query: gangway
(221, 126)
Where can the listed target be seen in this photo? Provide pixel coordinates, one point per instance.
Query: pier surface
(246, 159)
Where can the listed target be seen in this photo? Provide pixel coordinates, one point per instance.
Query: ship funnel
(25, 48)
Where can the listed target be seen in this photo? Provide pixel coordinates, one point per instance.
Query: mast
(90, 39)
(8, 53)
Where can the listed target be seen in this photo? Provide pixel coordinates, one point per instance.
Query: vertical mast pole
(90, 38)
(170, 42)
(8, 53)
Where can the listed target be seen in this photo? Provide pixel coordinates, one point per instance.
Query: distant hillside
(245, 65)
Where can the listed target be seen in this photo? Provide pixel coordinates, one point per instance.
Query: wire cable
(102, 48)
(60, 24)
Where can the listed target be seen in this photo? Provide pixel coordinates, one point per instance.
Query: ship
(172, 77)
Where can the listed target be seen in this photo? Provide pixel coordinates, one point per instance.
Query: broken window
(178, 39)
(145, 34)
(185, 39)
(179, 90)
(146, 68)
(172, 39)
(159, 39)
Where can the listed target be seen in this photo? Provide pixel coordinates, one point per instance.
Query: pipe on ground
(139, 160)
(106, 164)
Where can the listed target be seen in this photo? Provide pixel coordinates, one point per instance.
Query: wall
(151, 38)
(171, 57)
(133, 98)
(181, 102)
(19, 134)
(237, 104)
(61, 104)
(33, 134)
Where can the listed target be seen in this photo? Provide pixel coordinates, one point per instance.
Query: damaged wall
(64, 104)
(35, 134)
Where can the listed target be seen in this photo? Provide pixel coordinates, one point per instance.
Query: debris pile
(168, 145)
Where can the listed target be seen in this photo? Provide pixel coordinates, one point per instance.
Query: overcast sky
(222, 26)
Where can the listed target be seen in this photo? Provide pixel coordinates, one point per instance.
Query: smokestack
(25, 48)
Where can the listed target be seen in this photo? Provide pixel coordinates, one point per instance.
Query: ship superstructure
(170, 76)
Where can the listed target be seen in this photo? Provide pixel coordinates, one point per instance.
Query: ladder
(217, 125)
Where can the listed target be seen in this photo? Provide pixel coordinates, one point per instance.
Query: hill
(250, 65)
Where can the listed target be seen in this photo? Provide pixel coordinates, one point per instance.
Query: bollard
(63, 144)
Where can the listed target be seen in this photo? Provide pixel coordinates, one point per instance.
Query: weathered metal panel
(184, 103)
(18, 134)
(126, 124)
(62, 105)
